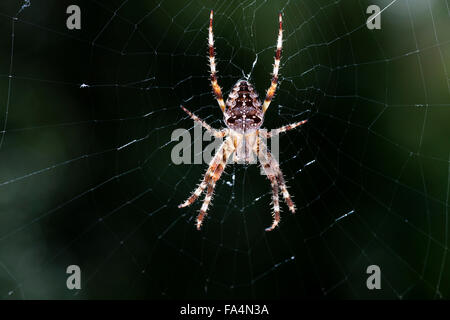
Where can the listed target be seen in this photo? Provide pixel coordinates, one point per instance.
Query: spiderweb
(86, 177)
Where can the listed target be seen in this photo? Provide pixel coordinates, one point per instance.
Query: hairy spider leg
(275, 175)
(212, 175)
(212, 131)
(285, 128)
(276, 67)
(212, 63)
(275, 202)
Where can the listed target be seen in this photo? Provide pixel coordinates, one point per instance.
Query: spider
(243, 115)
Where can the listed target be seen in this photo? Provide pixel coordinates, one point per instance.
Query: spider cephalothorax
(244, 116)
(244, 110)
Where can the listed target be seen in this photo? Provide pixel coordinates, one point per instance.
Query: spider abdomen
(244, 112)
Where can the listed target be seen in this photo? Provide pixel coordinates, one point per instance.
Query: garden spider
(243, 116)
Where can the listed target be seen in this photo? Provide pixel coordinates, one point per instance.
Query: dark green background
(378, 108)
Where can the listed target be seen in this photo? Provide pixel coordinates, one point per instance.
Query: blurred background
(86, 178)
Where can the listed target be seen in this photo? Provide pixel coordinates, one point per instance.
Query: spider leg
(276, 203)
(210, 172)
(205, 204)
(212, 63)
(276, 67)
(220, 163)
(212, 131)
(275, 175)
(286, 196)
(212, 175)
(215, 167)
(195, 194)
(288, 127)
